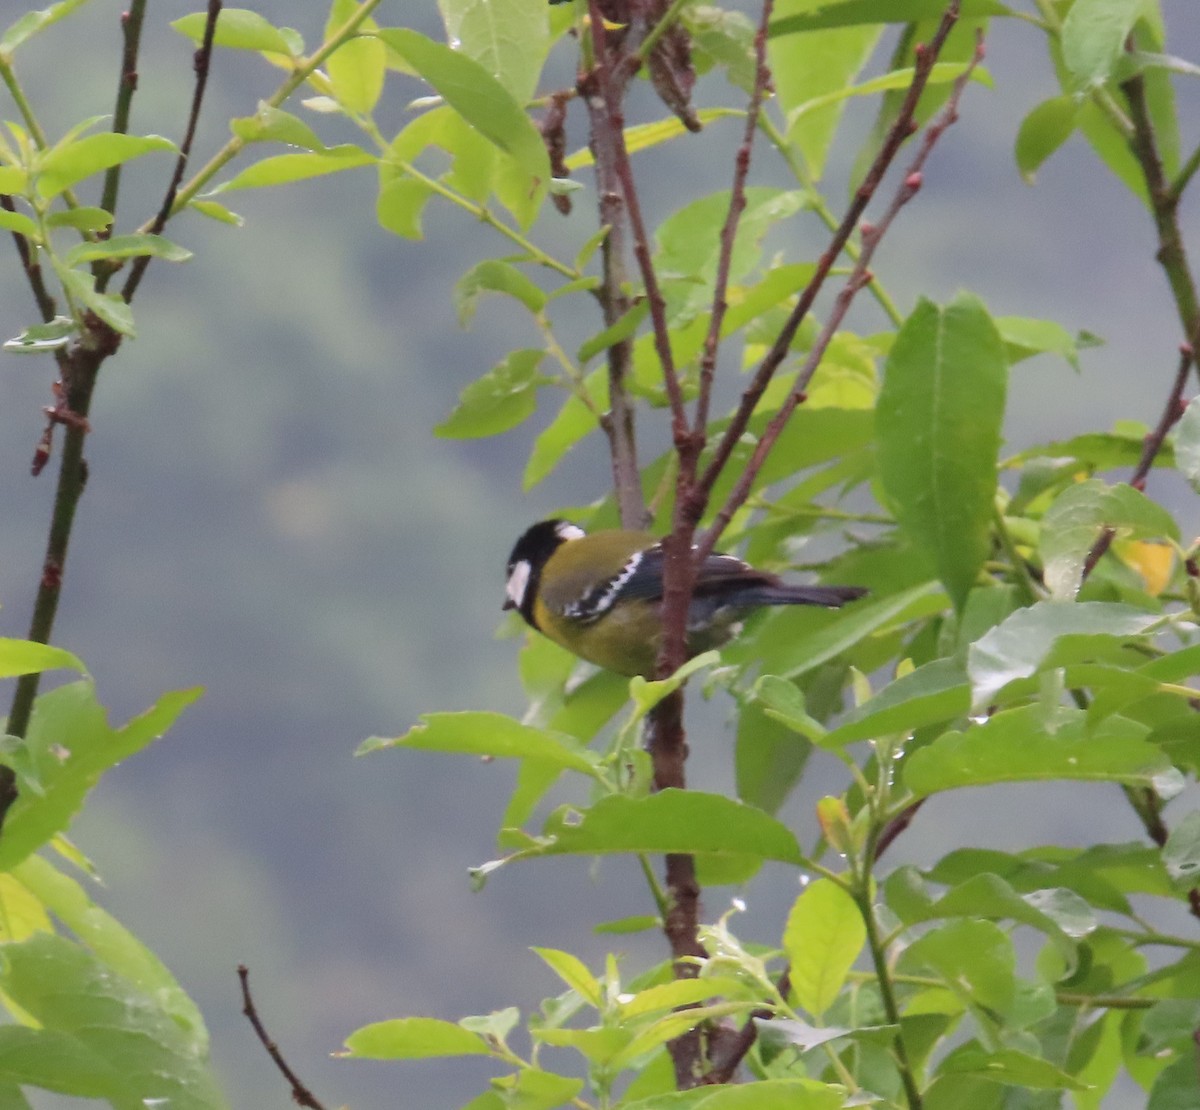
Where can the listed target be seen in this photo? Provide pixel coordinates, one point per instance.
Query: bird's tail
(832, 597)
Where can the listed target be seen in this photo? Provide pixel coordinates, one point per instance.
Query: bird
(599, 595)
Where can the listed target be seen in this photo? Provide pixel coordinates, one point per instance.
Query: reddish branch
(201, 62)
(737, 205)
(860, 277)
(301, 1095)
(606, 129)
(1151, 445)
(901, 129)
(603, 90)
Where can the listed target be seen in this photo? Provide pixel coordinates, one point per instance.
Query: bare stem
(737, 205)
(301, 1095)
(200, 64)
(901, 129)
(131, 32)
(860, 276)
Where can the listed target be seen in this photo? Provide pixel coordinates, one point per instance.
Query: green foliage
(1039, 629)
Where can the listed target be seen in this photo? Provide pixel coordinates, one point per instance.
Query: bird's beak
(508, 604)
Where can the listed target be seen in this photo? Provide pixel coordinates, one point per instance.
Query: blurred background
(270, 517)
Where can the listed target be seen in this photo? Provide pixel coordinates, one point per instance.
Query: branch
(301, 1095)
(32, 268)
(860, 276)
(605, 128)
(131, 32)
(737, 204)
(200, 64)
(1164, 203)
(606, 65)
(901, 129)
(1151, 445)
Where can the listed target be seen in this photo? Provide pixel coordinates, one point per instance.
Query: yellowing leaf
(1153, 561)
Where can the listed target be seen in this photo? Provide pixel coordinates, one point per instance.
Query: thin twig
(1151, 445)
(31, 266)
(859, 277)
(903, 127)
(301, 1095)
(1164, 203)
(737, 205)
(605, 69)
(131, 33)
(200, 65)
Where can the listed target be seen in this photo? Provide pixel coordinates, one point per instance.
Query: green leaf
(55, 1062)
(356, 68)
(1024, 337)
(1181, 853)
(64, 165)
(40, 338)
(806, 68)
(1078, 516)
(401, 204)
(127, 246)
(614, 333)
(942, 73)
(574, 421)
(689, 247)
(285, 168)
(218, 212)
(1022, 643)
(989, 896)
(1016, 745)
(573, 971)
(763, 1094)
(109, 940)
(846, 13)
(110, 307)
(1187, 443)
(478, 97)
(770, 757)
(21, 224)
(1042, 132)
(805, 653)
(83, 218)
(270, 124)
(1093, 38)
(503, 398)
(936, 691)
(489, 734)
(938, 424)
(1013, 1068)
(975, 955)
(414, 1038)
(494, 275)
(822, 939)
(32, 22)
(534, 1089)
(508, 38)
(147, 1056)
(19, 657)
(676, 821)
(68, 747)
(644, 136)
(241, 29)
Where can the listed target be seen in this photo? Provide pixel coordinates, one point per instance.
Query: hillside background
(269, 516)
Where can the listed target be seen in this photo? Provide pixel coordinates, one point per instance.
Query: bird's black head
(529, 555)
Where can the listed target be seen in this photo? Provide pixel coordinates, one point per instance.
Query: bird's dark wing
(718, 573)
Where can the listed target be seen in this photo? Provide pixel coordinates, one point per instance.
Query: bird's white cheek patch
(518, 582)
